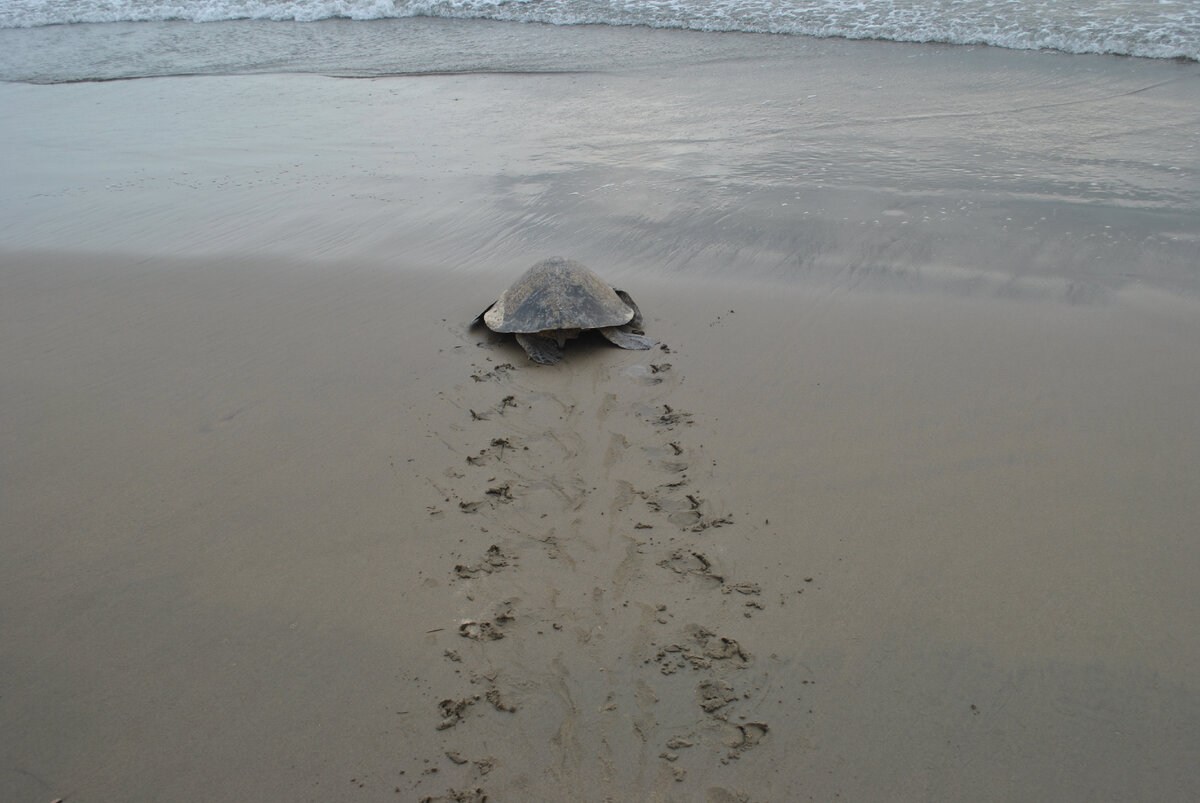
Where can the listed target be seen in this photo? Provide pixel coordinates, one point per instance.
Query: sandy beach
(904, 508)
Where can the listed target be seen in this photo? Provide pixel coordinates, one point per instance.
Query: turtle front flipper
(540, 349)
(478, 319)
(636, 321)
(626, 339)
(625, 336)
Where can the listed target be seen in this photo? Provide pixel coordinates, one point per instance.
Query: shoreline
(314, 33)
(813, 185)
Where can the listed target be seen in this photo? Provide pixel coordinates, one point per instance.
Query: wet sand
(278, 524)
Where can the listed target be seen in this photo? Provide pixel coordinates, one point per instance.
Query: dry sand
(286, 528)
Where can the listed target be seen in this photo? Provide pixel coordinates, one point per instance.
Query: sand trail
(589, 594)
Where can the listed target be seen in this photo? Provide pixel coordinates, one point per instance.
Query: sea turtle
(557, 299)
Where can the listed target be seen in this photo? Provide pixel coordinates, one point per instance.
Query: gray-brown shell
(556, 294)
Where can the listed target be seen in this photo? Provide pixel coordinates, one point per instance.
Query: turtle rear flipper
(540, 349)
(626, 339)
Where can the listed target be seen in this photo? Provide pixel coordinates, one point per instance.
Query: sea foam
(1146, 28)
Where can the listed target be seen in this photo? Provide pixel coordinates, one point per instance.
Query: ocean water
(48, 41)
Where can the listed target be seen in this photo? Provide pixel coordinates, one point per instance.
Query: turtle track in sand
(594, 592)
